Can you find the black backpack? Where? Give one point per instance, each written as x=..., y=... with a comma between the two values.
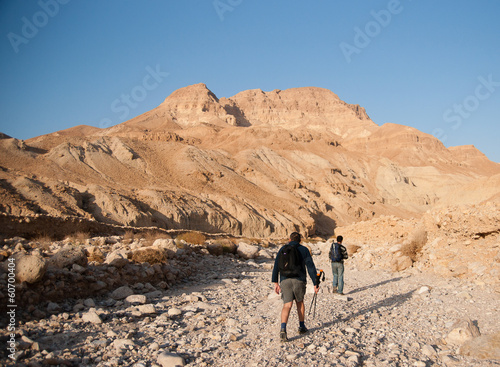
x=336, y=253
x=290, y=261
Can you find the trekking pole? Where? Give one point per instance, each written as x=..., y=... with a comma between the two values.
x=319, y=279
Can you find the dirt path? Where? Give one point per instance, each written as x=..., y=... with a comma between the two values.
x=228, y=316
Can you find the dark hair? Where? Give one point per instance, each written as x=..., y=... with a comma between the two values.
x=340, y=239
x=295, y=236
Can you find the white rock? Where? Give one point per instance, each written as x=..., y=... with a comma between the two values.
x=146, y=309
x=246, y=251
x=136, y=298
x=92, y=317
x=172, y=312
x=166, y=359
x=428, y=350
x=122, y=343
x=423, y=290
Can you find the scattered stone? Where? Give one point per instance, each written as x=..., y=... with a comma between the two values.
x=166, y=359
x=92, y=317
x=136, y=298
x=122, y=292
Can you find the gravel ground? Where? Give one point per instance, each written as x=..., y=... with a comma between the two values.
x=229, y=316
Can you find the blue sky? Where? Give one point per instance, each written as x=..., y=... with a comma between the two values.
x=432, y=65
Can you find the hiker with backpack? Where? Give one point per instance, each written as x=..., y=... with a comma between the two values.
x=337, y=255
x=290, y=264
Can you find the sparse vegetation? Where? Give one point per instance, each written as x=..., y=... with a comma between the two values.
x=416, y=243
x=194, y=238
x=95, y=254
x=78, y=238
x=129, y=236
x=149, y=255
x=43, y=241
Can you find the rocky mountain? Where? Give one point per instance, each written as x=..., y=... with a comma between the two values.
x=258, y=164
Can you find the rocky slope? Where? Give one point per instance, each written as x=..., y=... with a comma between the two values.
x=258, y=164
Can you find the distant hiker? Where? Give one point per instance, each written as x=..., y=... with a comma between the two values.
x=291, y=263
x=337, y=255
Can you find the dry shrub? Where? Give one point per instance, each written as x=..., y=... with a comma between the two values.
x=149, y=255
x=95, y=254
x=129, y=236
x=417, y=241
x=194, y=238
x=43, y=241
x=352, y=249
x=151, y=237
x=78, y=238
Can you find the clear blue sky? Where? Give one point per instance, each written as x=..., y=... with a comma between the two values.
x=432, y=65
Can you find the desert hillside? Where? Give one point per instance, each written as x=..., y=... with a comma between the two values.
x=257, y=164
x=172, y=220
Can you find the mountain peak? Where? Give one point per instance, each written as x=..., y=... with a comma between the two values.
x=192, y=92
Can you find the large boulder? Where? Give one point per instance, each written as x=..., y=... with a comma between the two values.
x=67, y=256
x=122, y=293
x=117, y=258
x=247, y=251
x=166, y=244
x=29, y=268
x=462, y=331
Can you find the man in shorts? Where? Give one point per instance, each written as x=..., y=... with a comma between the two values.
x=294, y=287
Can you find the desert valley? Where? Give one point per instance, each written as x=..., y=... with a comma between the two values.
x=151, y=243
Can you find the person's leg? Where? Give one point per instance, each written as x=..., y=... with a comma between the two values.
x=300, y=291
x=285, y=312
x=334, y=275
x=341, y=278
x=301, y=311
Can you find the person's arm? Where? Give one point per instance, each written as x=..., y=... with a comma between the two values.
x=274, y=277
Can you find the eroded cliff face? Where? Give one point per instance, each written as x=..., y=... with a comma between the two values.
x=258, y=164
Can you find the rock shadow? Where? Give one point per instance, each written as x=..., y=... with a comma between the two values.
x=375, y=285
x=390, y=302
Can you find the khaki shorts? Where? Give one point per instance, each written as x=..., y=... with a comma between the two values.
x=292, y=289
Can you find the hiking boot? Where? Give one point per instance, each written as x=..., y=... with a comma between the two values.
x=283, y=336
x=303, y=330
x=334, y=289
